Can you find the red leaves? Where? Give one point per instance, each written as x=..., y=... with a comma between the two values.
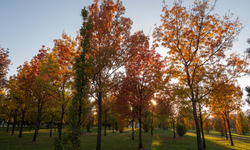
x=142, y=76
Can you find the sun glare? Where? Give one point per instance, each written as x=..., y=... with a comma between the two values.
x=153, y=102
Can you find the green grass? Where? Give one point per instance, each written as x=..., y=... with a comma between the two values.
x=122, y=141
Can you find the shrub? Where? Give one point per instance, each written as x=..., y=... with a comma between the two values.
x=88, y=127
x=145, y=126
x=181, y=129
x=57, y=144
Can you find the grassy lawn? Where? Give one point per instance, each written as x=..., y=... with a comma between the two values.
x=122, y=141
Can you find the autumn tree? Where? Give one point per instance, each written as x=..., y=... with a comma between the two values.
x=110, y=47
x=107, y=104
x=4, y=65
x=51, y=114
x=58, y=66
x=39, y=85
x=218, y=125
x=226, y=99
x=162, y=107
x=242, y=125
x=20, y=99
x=197, y=42
x=207, y=126
x=143, y=72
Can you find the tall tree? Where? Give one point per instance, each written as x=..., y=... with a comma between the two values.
x=197, y=42
x=224, y=100
x=20, y=98
x=109, y=48
x=143, y=72
x=39, y=84
x=82, y=74
x=58, y=66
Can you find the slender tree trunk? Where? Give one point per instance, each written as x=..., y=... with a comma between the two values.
x=51, y=126
x=198, y=134
x=162, y=127
x=113, y=125
x=202, y=132
x=140, y=138
x=37, y=124
x=174, y=128
x=30, y=127
x=50, y=133
x=98, y=144
x=18, y=125
x=225, y=127
x=152, y=124
x=132, y=129
x=14, y=123
x=8, y=124
x=232, y=143
x=61, y=124
x=21, y=129
x=105, y=118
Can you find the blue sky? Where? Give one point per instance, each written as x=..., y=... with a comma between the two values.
x=28, y=24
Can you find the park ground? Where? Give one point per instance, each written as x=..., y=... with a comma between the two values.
x=123, y=141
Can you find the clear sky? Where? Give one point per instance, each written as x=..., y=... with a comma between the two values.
x=26, y=25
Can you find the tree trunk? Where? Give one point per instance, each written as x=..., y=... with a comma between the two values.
x=198, y=134
x=132, y=129
x=37, y=124
x=174, y=128
x=225, y=128
x=14, y=123
x=51, y=126
x=98, y=144
x=8, y=124
x=202, y=132
x=140, y=138
x=18, y=125
x=232, y=143
x=50, y=133
x=21, y=129
x=61, y=124
x=30, y=127
x=162, y=127
x=113, y=125
x=152, y=126
x=105, y=118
